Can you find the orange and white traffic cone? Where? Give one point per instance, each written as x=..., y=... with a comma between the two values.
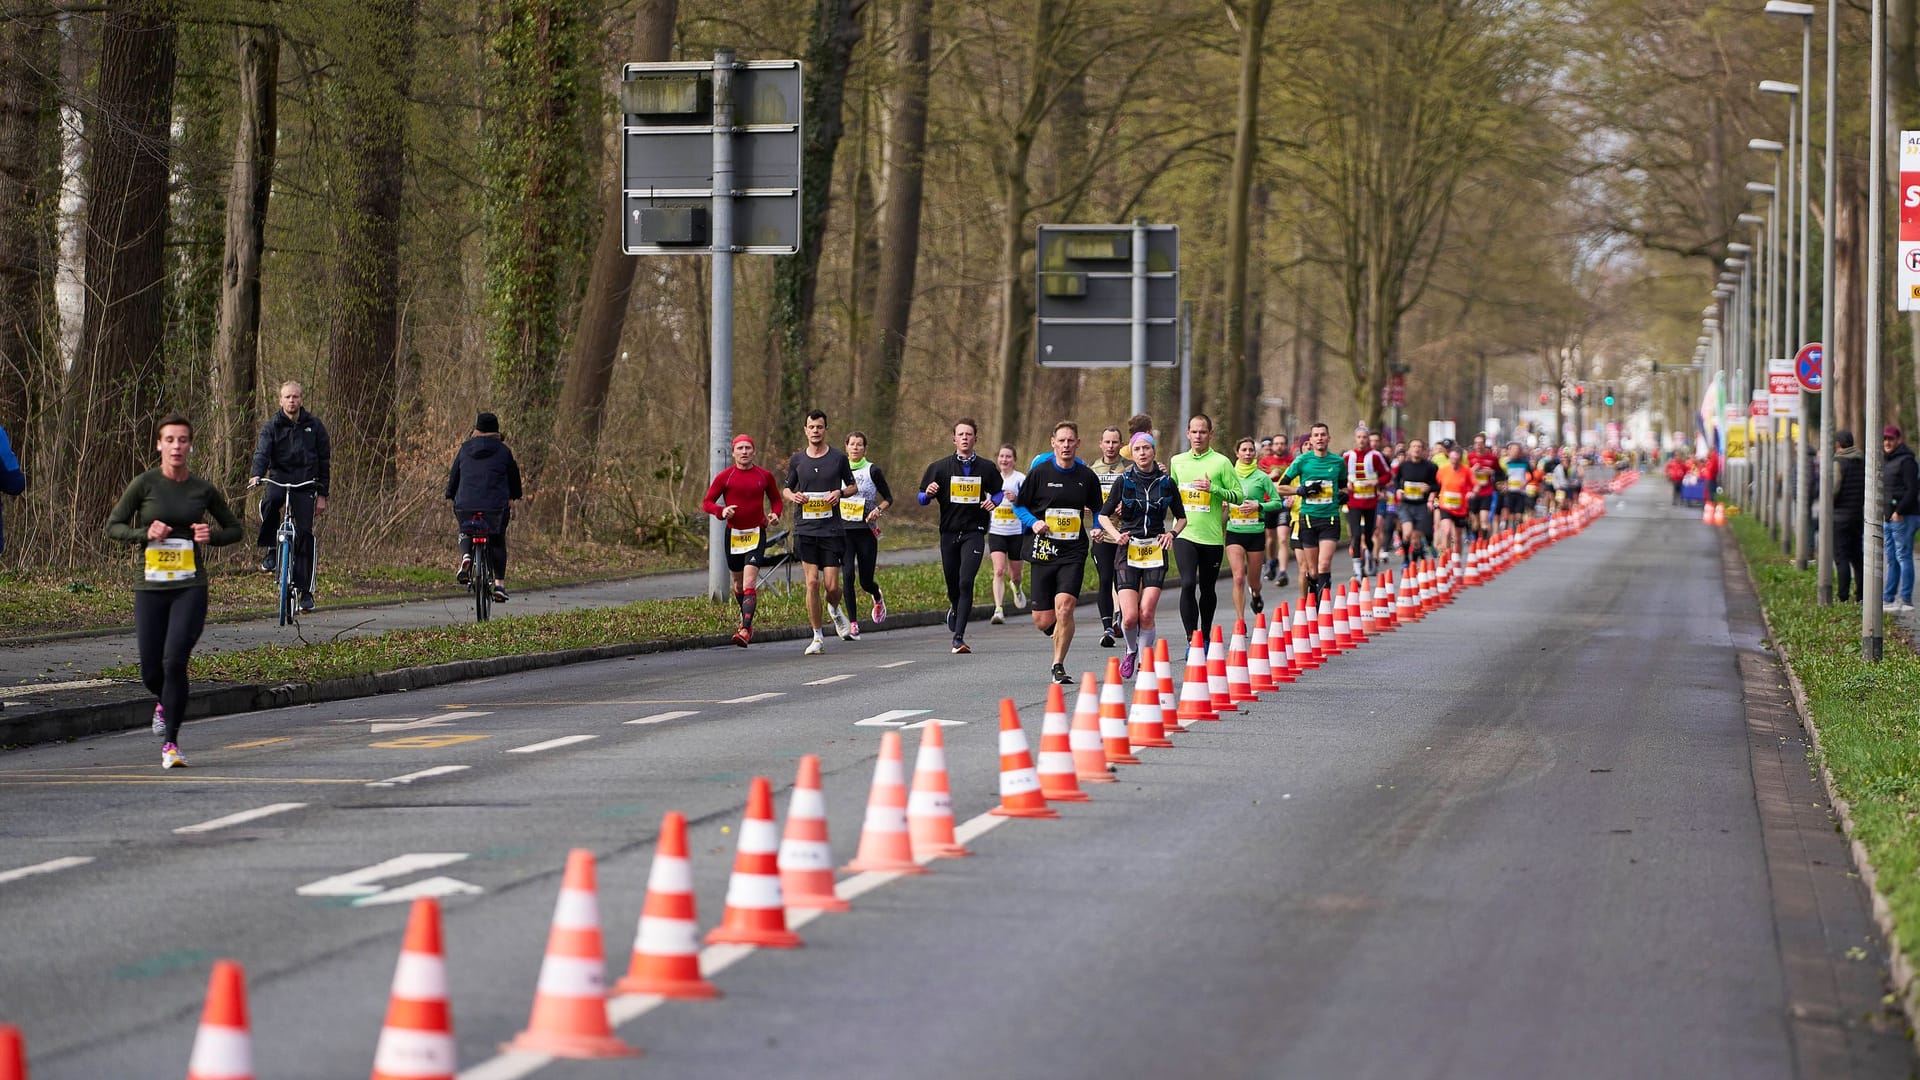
x=1369, y=621
x=1383, y=603
x=1343, y=616
x=806, y=854
x=1057, y=775
x=1305, y=656
x=756, y=912
x=666, y=946
x=1259, y=663
x=1163, y=675
x=1113, y=717
x=930, y=803
x=1144, y=724
x=1089, y=751
x=1323, y=641
x=1239, y=674
x=569, y=1017
x=417, y=1041
x=1020, y=794
x=1219, y=694
x=1280, y=647
x=1196, y=701
x=13, y=1053
x=884, y=842
x=223, y=1047
x=1404, y=609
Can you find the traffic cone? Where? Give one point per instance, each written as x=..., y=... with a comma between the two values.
x=1220, y=696
x=666, y=946
x=417, y=1041
x=13, y=1053
x=1719, y=513
x=1384, y=613
x=223, y=1047
x=1196, y=701
x=1057, y=775
x=1113, y=717
x=806, y=855
x=1343, y=616
x=930, y=803
x=884, y=842
x=756, y=912
x=1163, y=675
x=570, y=1003
x=1324, y=641
x=1259, y=663
x=1369, y=619
x=1239, y=675
x=1404, y=609
x=1020, y=794
x=1089, y=751
x=1280, y=648
x=1144, y=726
x=1305, y=656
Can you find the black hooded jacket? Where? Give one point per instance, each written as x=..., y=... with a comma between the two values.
x=484, y=477
x=294, y=451
x=1902, y=481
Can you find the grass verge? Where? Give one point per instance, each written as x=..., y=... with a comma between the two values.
x=1868, y=716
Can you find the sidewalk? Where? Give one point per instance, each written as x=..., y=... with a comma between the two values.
x=60, y=676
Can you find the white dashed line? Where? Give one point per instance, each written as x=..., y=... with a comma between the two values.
x=751, y=698
x=829, y=679
x=47, y=867
x=241, y=818
x=564, y=740
x=663, y=717
x=437, y=770
x=895, y=664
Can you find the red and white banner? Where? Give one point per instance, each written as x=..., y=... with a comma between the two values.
x=1908, y=291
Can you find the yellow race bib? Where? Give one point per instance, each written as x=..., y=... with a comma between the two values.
x=816, y=508
x=1413, y=489
x=1452, y=501
x=743, y=541
x=1145, y=555
x=1063, y=524
x=853, y=508
x=1196, y=500
x=963, y=490
x=170, y=560
x=1237, y=516
x=1363, y=489
x=1004, y=515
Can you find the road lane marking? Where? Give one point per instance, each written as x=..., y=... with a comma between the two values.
x=56, y=779
x=48, y=867
x=895, y=664
x=829, y=680
x=891, y=718
x=935, y=721
x=551, y=744
x=25, y=689
x=427, y=742
x=408, y=778
x=663, y=717
x=241, y=818
x=751, y=698
x=258, y=743
x=436, y=887
x=361, y=882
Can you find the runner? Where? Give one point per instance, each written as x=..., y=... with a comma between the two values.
x=818, y=477
x=967, y=490
x=1246, y=534
x=745, y=497
x=1274, y=462
x=1006, y=537
x=1456, y=483
x=162, y=510
x=1109, y=468
x=1485, y=465
x=1386, y=529
x=1367, y=473
x=1316, y=476
x=860, y=521
x=1143, y=512
x=1054, y=502
x=1414, y=483
x=1207, y=484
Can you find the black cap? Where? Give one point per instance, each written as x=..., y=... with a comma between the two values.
x=1843, y=438
x=487, y=424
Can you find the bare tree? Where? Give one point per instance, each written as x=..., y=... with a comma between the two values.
x=236, y=350
x=1239, y=360
x=27, y=80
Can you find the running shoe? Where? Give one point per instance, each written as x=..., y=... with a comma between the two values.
x=817, y=646
x=960, y=647
x=159, y=720
x=1281, y=580
x=1019, y=598
x=999, y=616
x=499, y=593
x=1259, y=605
x=269, y=560
x=306, y=602
x=840, y=623
x=742, y=636
x=853, y=631
x=1106, y=639
x=1127, y=664
x=1060, y=676
x=170, y=757
x=465, y=575
x=879, y=612
x=953, y=621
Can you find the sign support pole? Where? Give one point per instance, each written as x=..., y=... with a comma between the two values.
x=720, y=383
x=1186, y=363
x=1873, y=572
x=1139, y=359
x=1829, y=363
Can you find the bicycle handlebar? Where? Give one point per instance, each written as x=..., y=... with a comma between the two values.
x=268, y=480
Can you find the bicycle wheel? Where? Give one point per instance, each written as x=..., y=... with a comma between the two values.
x=482, y=583
x=286, y=583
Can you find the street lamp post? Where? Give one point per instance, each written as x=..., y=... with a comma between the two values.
x=1769, y=345
x=1829, y=362
x=1793, y=480
x=1801, y=492
x=1872, y=565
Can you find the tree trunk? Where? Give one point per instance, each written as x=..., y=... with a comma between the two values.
x=236, y=350
x=26, y=256
x=366, y=326
x=603, y=313
x=900, y=249
x=1246, y=150
x=112, y=389
x=836, y=30
x=1016, y=304
x=1848, y=355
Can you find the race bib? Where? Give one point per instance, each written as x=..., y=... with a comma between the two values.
x=963, y=490
x=1145, y=555
x=1195, y=500
x=1483, y=476
x=743, y=541
x=1243, y=517
x=1318, y=500
x=1532, y=490
x=1063, y=524
x=1452, y=501
x=816, y=508
x=1413, y=490
x=853, y=509
x=1363, y=489
x=1106, y=489
x=170, y=560
x=1004, y=515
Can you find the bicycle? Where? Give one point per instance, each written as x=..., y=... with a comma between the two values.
x=480, y=575
x=284, y=538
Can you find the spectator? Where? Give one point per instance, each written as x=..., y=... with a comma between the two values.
x=1677, y=475
x=1901, y=481
x=1849, y=512
x=13, y=480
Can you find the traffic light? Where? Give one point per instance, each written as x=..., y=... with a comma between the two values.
x=1608, y=399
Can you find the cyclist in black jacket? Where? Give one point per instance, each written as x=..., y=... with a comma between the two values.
x=294, y=448
x=485, y=480
x=967, y=487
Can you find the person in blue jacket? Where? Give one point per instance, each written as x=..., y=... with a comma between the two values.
x=13, y=479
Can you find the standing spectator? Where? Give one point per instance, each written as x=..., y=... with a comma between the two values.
x=293, y=447
x=1849, y=512
x=1677, y=473
x=1901, y=480
x=13, y=479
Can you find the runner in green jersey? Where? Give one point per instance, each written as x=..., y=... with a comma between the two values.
x=1207, y=485
x=1316, y=476
x=1247, y=526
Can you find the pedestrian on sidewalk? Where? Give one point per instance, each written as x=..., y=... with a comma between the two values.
x=13, y=479
x=293, y=448
x=1900, y=479
x=1849, y=513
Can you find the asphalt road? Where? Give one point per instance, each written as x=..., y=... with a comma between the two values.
x=1519, y=838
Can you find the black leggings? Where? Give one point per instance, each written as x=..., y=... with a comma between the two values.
x=1361, y=519
x=167, y=623
x=859, y=553
x=960, y=555
x=1199, y=573
x=1103, y=559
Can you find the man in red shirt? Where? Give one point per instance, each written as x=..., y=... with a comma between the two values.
x=1367, y=472
x=741, y=496
x=1484, y=464
x=1274, y=462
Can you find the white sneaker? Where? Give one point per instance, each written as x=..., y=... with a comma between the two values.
x=998, y=617
x=816, y=646
x=840, y=623
x=1890, y=608
x=1019, y=598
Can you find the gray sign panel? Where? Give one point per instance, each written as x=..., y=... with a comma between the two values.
x=1084, y=296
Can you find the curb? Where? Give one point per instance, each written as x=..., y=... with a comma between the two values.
x=1906, y=989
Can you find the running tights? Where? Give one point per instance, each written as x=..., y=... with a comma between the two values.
x=1199, y=573
x=167, y=623
x=1103, y=559
x=960, y=555
x=858, y=556
x=1361, y=518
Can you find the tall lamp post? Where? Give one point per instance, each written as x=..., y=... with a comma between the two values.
x=1769, y=346
x=1802, y=516
x=1873, y=564
x=1790, y=474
